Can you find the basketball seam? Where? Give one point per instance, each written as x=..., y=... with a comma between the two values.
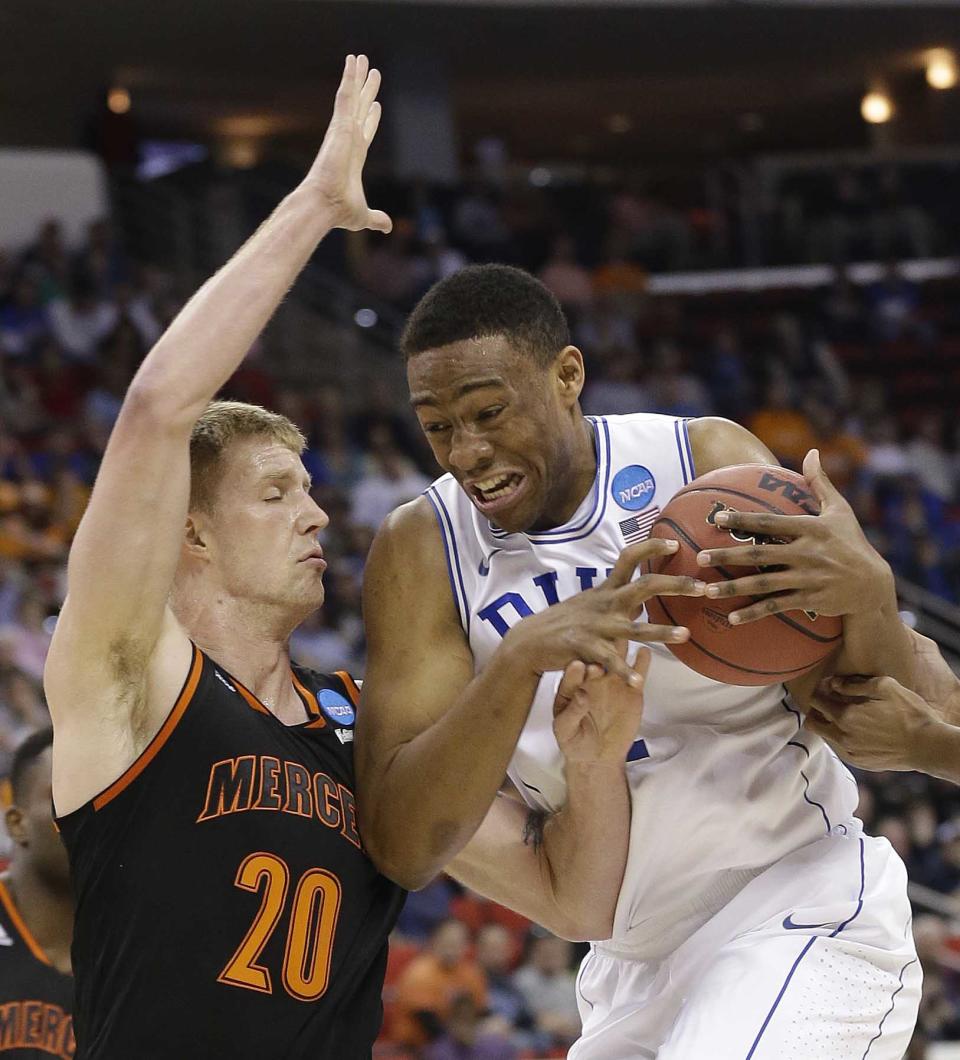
x=735, y=666
x=808, y=633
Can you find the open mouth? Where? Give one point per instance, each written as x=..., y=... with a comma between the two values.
x=497, y=492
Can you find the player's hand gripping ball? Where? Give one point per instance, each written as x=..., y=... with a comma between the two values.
x=778, y=647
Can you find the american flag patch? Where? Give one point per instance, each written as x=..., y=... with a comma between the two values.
x=637, y=527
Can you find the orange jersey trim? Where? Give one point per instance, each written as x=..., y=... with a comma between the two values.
x=249, y=697
x=350, y=685
x=7, y=898
x=173, y=718
x=313, y=707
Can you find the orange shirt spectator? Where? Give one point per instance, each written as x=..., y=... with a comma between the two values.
x=430, y=983
x=782, y=428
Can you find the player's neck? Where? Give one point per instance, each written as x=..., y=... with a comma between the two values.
x=47, y=911
x=258, y=659
x=580, y=462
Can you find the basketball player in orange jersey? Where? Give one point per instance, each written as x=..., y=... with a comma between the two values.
x=204, y=787
x=36, y=916
x=750, y=888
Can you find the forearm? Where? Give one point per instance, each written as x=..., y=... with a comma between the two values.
x=938, y=752
x=875, y=641
x=567, y=876
x=214, y=331
x=436, y=788
x=584, y=851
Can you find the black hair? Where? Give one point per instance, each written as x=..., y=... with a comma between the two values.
x=27, y=752
x=485, y=300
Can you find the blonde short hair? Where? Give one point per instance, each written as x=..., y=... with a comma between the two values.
x=222, y=423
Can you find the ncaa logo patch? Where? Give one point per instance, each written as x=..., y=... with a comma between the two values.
x=633, y=487
x=338, y=709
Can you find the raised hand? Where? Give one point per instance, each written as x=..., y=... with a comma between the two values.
x=336, y=175
x=824, y=564
x=590, y=626
x=596, y=715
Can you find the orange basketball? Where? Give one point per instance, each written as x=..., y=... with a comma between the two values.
x=776, y=648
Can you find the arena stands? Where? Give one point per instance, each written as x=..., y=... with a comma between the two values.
x=867, y=372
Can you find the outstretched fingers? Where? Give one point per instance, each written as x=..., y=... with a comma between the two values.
x=633, y=555
x=344, y=103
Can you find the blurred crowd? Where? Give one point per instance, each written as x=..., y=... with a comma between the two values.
x=867, y=374
x=727, y=216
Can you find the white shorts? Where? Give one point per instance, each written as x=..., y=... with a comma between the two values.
x=812, y=960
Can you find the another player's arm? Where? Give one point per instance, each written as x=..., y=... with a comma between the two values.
x=830, y=565
x=564, y=870
x=433, y=739
x=877, y=723
x=104, y=690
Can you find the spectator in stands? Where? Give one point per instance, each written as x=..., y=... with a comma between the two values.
x=429, y=984
x=674, y=391
x=390, y=480
x=841, y=309
x=465, y=1038
x=547, y=982
x=615, y=389
x=842, y=455
x=496, y=951
x=81, y=320
x=426, y=909
x=102, y=258
x=886, y=457
x=394, y=269
x=442, y=260
x=27, y=528
x=893, y=303
x=928, y=457
x=23, y=319
x=478, y=224
x=781, y=426
x=621, y=279
x=27, y=637
x=567, y=278
x=604, y=328
x=899, y=227
x=48, y=261
x=725, y=371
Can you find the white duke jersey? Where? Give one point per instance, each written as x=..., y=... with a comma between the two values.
x=724, y=779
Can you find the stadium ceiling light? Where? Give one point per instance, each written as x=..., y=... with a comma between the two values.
x=876, y=108
x=941, y=68
x=118, y=100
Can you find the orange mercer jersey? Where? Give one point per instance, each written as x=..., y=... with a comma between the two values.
x=225, y=905
x=35, y=999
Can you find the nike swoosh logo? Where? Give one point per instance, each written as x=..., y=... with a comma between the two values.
x=791, y=926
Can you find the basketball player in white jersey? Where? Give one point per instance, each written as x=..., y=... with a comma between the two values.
x=756, y=921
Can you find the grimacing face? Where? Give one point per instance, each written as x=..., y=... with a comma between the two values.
x=504, y=426
x=261, y=537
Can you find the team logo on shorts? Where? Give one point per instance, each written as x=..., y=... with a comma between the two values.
x=633, y=487
x=336, y=707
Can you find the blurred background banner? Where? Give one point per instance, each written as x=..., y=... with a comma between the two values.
x=748, y=210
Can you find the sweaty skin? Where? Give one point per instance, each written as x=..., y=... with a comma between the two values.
x=434, y=738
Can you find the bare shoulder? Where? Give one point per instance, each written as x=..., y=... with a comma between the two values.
x=717, y=442
x=409, y=610
x=408, y=545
